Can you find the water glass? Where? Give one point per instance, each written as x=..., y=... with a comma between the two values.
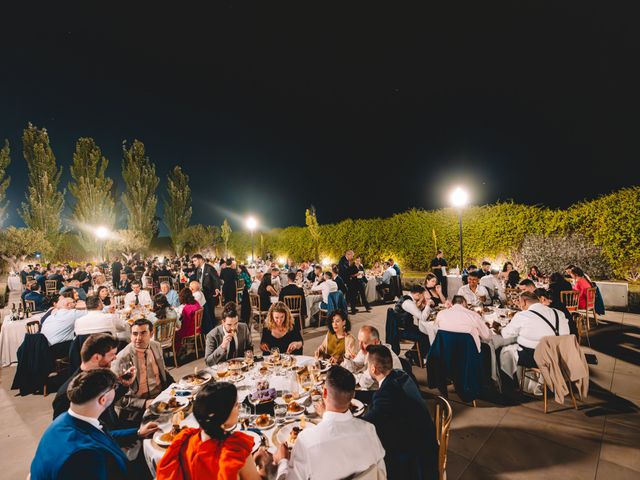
x=280, y=411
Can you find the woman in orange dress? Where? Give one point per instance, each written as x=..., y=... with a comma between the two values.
x=210, y=452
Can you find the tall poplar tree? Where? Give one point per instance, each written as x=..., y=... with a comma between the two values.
x=314, y=229
x=44, y=203
x=177, y=207
x=92, y=190
x=141, y=182
x=5, y=160
x=225, y=233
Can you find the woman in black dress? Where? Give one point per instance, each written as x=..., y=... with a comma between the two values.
x=229, y=276
x=280, y=332
x=265, y=292
x=433, y=289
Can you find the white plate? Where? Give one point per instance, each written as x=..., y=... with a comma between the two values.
x=282, y=435
x=266, y=427
x=183, y=401
x=205, y=375
x=156, y=438
x=360, y=407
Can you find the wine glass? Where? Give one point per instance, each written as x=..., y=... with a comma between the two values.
x=275, y=354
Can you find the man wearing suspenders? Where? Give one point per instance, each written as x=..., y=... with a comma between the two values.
x=534, y=322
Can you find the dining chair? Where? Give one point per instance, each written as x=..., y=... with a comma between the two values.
x=118, y=300
x=164, y=332
x=50, y=287
x=31, y=304
x=294, y=302
x=163, y=279
x=256, y=311
x=591, y=305
x=197, y=331
x=239, y=289
x=512, y=297
x=570, y=298
x=33, y=326
x=443, y=417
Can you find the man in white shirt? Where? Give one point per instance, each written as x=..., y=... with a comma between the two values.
x=340, y=445
x=531, y=324
x=194, y=286
x=460, y=319
x=137, y=296
x=384, y=283
x=359, y=366
x=59, y=327
x=414, y=311
x=474, y=293
x=276, y=282
x=326, y=286
x=96, y=321
x=494, y=286
x=256, y=283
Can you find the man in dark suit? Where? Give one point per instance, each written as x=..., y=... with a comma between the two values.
x=402, y=420
x=228, y=340
x=293, y=289
x=210, y=282
x=116, y=268
x=76, y=445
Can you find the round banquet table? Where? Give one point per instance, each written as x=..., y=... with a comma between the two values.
x=11, y=337
x=14, y=283
x=153, y=452
x=370, y=289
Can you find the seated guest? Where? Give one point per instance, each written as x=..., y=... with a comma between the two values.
x=291, y=290
x=228, y=340
x=137, y=296
x=359, y=366
x=339, y=281
x=474, y=293
x=255, y=285
x=558, y=284
x=507, y=268
x=194, y=286
x=527, y=285
x=276, y=283
x=265, y=292
x=74, y=285
x=54, y=305
x=433, y=289
x=325, y=285
x=377, y=269
x=161, y=309
x=460, y=319
x=170, y=294
x=395, y=266
x=414, y=310
x=531, y=324
x=96, y=321
x=60, y=325
x=494, y=286
x=125, y=283
x=581, y=283
x=485, y=268
x=468, y=271
x=340, y=445
x=151, y=374
x=280, y=332
x=211, y=451
x=36, y=296
x=338, y=343
x=103, y=295
x=513, y=279
x=316, y=275
x=187, y=311
x=534, y=274
x=243, y=274
x=385, y=282
x=57, y=276
x=402, y=420
x=75, y=445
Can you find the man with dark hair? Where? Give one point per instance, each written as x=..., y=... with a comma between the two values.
x=485, y=268
x=97, y=321
x=210, y=284
x=527, y=285
x=459, y=319
x=137, y=296
x=291, y=289
x=414, y=311
x=36, y=296
x=437, y=265
x=474, y=293
x=116, y=268
x=151, y=374
x=351, y=444
x=402, y=420
x=76, y=446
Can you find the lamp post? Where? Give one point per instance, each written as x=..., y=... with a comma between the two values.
x=459, y=198
x=252, y=223
x=101, y=234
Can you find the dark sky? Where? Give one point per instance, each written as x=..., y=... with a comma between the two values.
x=360, y=110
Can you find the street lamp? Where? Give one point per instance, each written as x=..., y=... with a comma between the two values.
x=252, y=223
x=459, y=198
x=101, y=234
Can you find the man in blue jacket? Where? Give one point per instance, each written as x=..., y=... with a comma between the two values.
x=402, y=421
x=76, y=446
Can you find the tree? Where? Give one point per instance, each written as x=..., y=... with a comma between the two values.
x=128, y=243
x=44, y=202
x=177, y=207
x=5, y=160
x=200, y=238
x=141, y=182
x=92, y=190
x=16, y=244
x=314, y=229
x=225, y=233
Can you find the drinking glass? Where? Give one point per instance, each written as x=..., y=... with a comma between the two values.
x=275, y=354
x=222, y=369
x=248, y=358
x=280, y=411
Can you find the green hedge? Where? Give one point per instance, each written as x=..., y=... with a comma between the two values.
x=495, y=232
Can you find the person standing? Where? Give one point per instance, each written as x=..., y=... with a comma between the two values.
x=116, y=269
x=210, y=284
x=229, y=277
x=437, y=265
x=355, y=287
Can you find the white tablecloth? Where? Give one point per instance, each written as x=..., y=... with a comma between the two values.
x=11, y=337
x=454, y=282
x=14, y=283
x=370, y=289
x=153, y=453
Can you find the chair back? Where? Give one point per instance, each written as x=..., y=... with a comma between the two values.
x=31, y=304
x=591, y=298
x=396, y=286
x=164, y=278
x=118, y=300
x=197, y=316
x=294, y=302
x=164, y=332
x=28, y=279
x=443, y=417
x=33, y=326
x=255, y=302
x=240, y=285
x=50, y=287
x=570, y=298
x=513, y=296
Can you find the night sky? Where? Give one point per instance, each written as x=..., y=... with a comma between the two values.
x=361, y=111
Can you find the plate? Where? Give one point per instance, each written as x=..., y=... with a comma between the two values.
x=203, y=377
x=272, y=422
x=235, y=378
x=281, y=435
x=182, y=401
x=357, y=407
x=297, y=413
x=157, y=438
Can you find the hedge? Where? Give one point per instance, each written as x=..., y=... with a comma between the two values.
x=495, y=232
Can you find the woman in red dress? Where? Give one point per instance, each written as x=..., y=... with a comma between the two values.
x=187, y=319
x=582, y=284
x=210, y=452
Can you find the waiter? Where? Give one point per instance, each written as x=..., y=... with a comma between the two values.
x=436, y=267
x=210, y=282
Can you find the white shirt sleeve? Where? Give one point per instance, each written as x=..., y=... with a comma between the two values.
x=419, y=317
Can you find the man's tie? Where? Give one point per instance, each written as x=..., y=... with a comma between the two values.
x=232, y=348
x=137, y=300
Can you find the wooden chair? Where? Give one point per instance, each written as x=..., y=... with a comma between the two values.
x=31, y=304
x=570, y=298
x=414, y=346
x=33, y=326
x=591, y=305
x=164, y=332
x=197, y=331
x=50, y=287
x=582, y=325
x=544, y=386
x=239, y=290
x=256, y=311
x=28, y=279
x=137, y=276
x=118, y=300
x=512, y=298
x=443, y=417
x=294, y=302
x=163, y=279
